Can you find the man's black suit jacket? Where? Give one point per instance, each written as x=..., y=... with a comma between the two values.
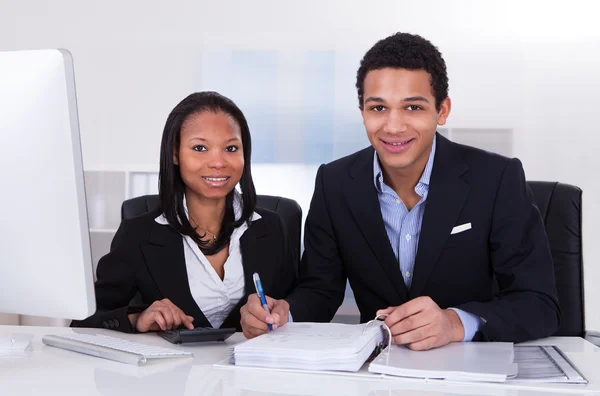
x=147, y=259
x=501, y=269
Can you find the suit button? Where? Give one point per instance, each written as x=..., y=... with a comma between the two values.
x=105, y=324
x=116, y=322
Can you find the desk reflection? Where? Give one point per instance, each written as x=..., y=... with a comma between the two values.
x=162, y=377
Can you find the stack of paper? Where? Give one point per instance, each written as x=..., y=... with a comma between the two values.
x=311, y=346
x=461, y=361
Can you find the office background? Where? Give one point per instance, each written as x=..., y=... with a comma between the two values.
x=523, y=80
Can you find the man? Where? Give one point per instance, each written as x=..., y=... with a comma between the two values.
x=443, y=238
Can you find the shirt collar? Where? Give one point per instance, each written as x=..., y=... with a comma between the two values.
x=237, y=209
x=423, y=181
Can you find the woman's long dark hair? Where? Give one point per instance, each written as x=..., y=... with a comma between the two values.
x=171, y=187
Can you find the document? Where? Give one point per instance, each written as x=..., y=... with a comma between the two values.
x=545, y=364
x=311, y=346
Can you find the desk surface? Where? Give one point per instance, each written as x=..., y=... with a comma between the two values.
x=47, y=370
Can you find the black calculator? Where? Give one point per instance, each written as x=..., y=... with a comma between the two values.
x=199, y=334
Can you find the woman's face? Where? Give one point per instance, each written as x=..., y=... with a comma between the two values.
x=211, y=156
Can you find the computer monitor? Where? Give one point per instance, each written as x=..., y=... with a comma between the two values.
x=45, y=258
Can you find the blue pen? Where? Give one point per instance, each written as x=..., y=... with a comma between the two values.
x=261, y=296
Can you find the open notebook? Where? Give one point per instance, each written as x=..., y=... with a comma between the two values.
x=345, y=349
x=342, y=347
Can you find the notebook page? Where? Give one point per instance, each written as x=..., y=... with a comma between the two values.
x=466, y=361
x=320, y=337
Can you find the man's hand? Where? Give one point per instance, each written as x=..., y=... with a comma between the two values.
x=161, y=315
x=421, y=324
x=254, y=318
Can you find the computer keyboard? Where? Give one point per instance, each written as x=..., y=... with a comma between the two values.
x=113, y=348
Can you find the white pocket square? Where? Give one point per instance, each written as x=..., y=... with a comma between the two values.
x=461, y=228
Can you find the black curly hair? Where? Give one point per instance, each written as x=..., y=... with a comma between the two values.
x=405, y=51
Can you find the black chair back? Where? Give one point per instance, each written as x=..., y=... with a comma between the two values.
x=560, y=207
x=288, y=209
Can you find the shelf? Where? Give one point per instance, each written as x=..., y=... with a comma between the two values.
x=133, y=168
x=103, y=230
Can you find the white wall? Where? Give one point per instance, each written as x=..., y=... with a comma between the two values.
x=530, y=66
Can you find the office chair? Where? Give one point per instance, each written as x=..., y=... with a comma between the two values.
x=288, y=209
x=560, y=207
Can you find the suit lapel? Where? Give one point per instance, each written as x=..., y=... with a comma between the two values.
x=255, y=250
x=445, y=200
x=166, y=262
x=362, y=199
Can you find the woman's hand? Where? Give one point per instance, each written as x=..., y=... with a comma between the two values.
x=161, y=315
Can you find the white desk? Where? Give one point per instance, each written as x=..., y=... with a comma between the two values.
x=47, y=371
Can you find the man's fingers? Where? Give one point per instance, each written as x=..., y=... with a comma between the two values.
x=411, y=323
x=250, y=333
x=254, y=327
x=423, y=345
x=409, y=308
x=256, y=310
x=386, y=311
x=253, y=298
x=280, y=314
x=414, y=336
x=269, y=318
x=249, y=320
x=270, y=302
x=276, y=318
x=256, y=331
x=255, y=319
x=251, y=325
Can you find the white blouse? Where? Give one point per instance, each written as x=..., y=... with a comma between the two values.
x=215, y=297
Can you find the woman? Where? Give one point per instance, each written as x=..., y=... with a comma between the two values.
x=190, y=262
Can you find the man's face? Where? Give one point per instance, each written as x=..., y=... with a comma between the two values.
x=400, y=116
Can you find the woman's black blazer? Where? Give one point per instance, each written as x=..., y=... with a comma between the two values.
x=146, y=263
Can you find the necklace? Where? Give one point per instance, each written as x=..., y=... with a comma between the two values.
x=214, y=237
